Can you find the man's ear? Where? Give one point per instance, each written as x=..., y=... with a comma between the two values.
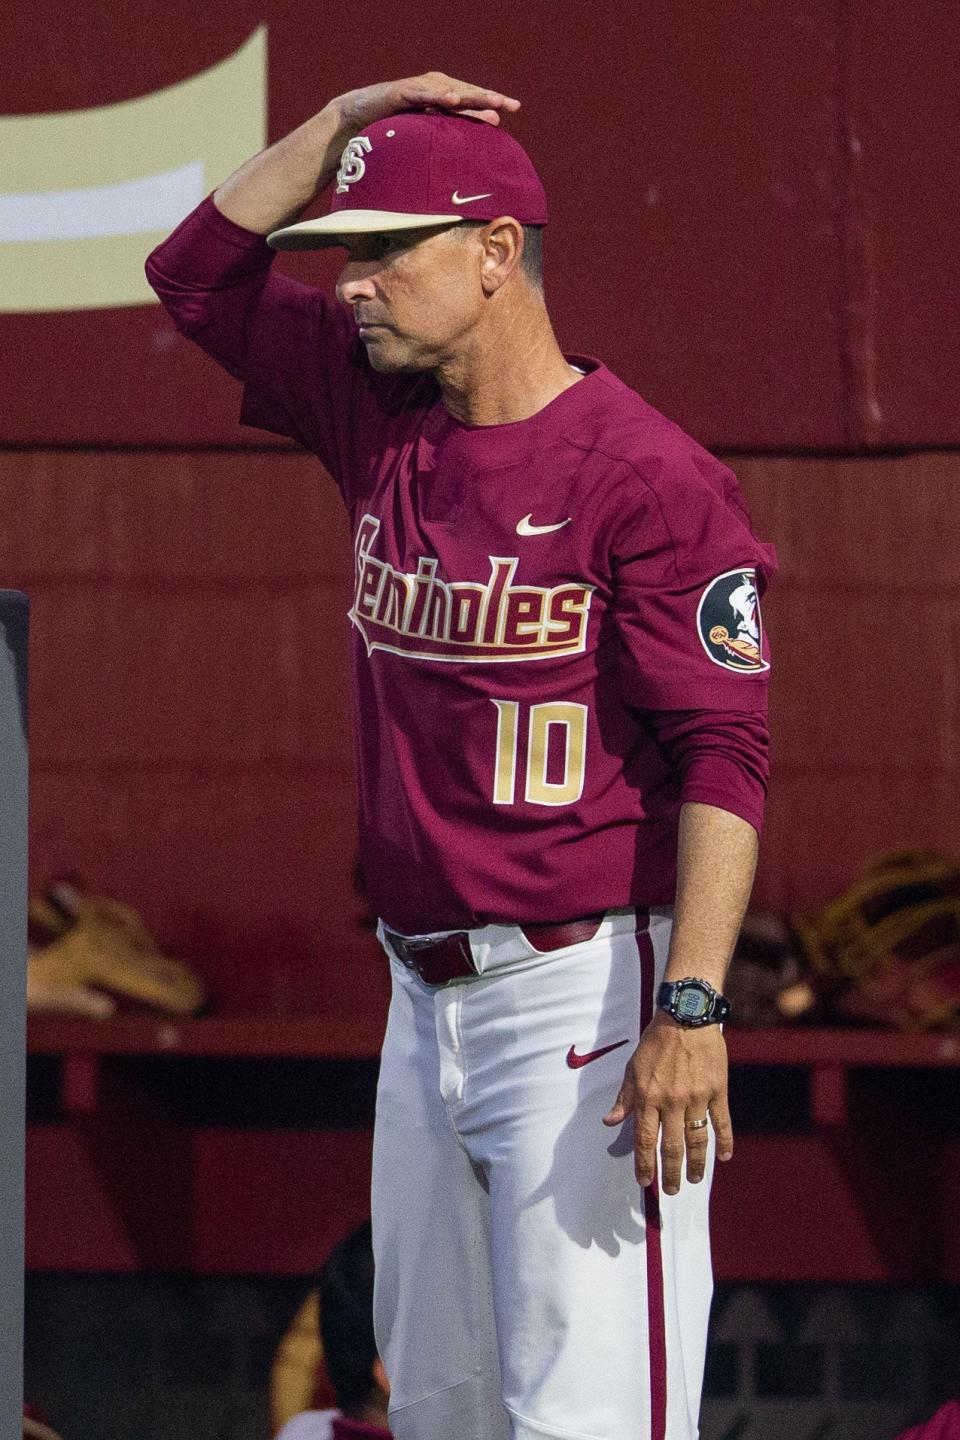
x=503, y=247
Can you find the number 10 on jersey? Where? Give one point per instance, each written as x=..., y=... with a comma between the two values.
x=555, y=728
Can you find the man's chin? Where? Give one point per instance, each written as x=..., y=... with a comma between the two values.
x=386, y=363
x=380, y=362
x=389, y=359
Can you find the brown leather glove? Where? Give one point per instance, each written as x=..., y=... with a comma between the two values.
x=97, y=957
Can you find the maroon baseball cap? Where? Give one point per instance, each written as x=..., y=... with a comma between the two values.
x=416, y=169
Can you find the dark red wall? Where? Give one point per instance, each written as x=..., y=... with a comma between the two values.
x=749, y=224
x=750, y=204
x=864, y=615
x=190, y=745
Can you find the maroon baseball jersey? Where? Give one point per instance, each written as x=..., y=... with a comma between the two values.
x=555, y=625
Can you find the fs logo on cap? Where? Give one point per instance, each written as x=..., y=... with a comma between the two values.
x=352, y=163
x=729, y=624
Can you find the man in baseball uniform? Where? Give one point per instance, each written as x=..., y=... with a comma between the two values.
x=559, y=682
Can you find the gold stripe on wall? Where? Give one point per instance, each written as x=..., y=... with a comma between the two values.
x=85, y=195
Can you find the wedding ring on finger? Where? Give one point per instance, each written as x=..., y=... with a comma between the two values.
x=695, y=1124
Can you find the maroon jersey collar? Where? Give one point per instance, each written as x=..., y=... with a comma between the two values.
x=508, y=442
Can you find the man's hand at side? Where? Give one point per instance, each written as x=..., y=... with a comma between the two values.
x=678, y=1072
x=675, y=1074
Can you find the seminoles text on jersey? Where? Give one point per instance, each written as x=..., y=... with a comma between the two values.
x=489, y=619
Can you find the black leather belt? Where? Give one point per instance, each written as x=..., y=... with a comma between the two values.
x=439, y=961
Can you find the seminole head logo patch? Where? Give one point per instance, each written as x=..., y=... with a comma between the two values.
x=728, y=621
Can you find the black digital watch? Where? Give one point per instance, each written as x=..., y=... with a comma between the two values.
x=693, y=1002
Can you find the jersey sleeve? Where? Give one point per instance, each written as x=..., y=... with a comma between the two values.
x=689, y=575
x=292, y=347
x=720, y=756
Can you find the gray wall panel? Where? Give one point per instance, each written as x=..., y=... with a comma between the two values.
x=14, y=618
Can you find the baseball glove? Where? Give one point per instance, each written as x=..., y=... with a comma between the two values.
x=91, y=956
x=887, y=951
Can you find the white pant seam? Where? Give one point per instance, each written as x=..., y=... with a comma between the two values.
x=549, y=1430
x=441, y=1390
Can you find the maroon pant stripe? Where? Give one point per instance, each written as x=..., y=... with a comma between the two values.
x=651, y=1209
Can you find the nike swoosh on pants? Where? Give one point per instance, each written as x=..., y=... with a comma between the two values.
x=575, y=1061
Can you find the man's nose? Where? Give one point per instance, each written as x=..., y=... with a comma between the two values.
x=355, y=281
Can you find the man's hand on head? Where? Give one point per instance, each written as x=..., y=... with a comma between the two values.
x=433, y=91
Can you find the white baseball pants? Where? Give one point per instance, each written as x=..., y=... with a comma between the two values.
x=526, y=1286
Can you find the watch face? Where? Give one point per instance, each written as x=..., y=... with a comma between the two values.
x=692, y=1004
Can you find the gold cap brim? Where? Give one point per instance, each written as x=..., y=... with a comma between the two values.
x=329, y=229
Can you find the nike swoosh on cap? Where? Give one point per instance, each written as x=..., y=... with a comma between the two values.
x=459, y=199
x=575, y=1061
x=524, y=527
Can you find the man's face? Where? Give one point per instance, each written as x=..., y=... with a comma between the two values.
x=414, y=294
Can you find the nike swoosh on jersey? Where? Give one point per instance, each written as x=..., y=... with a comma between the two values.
x=524, y=527
x=459, y=199
x=575, y=1061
